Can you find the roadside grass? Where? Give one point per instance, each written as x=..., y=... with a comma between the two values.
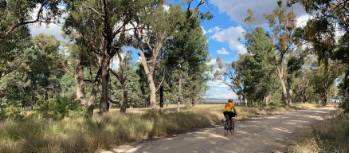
x=329, y=135
x=77, y=135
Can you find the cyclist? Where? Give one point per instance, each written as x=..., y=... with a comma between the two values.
x=229, y=110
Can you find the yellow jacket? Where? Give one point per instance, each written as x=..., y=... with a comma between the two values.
x=229, y=107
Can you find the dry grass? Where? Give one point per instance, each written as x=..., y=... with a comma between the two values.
x=82, y=135
x=78, y=135
x=330, y=135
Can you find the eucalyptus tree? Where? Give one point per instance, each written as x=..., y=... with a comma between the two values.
x=324, y=79
x=121, y=73
x=328, y=34
x=253, y=77
x=100, y=26
x=14, y=32
x=187, y=56
x=282, y=23
x=16, y=15
x=37, y=76
x=153, y=27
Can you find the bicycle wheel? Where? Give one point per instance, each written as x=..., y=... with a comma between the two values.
x=225, y=127
x=233, y=125
x=230, y=127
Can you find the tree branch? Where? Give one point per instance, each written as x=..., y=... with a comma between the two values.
x=93, y=9
x=161, y=82
x=21, y=23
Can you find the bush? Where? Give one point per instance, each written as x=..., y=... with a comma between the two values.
x=10, y=111
x=57, y=108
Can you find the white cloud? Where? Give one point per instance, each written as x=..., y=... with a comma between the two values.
x=222, y=51
x=237, y=9
x=302, y=20
x=218, y=89
x=232, y=37
x=214, y=29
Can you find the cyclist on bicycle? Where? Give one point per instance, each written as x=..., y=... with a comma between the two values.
x=230, y=111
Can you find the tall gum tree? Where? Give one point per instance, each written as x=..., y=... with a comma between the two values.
x=100, y=26
x=152, y=29
x=282, y=24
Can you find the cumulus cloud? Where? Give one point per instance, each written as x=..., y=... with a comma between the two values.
x=237, y=9
x=232, y=37
x=214, y=29
x=222, y=51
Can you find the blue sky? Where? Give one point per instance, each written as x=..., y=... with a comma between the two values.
x=225, y=32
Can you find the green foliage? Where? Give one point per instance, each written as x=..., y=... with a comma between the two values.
x=134, y=88
x=57, y=108
x=10, y=111
x=37, y=74
x=324, y=79
x=254, y=73
x=330, y=18
x=185, y=58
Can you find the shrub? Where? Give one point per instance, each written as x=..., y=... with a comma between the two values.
x=57, y=108
x=10, y=111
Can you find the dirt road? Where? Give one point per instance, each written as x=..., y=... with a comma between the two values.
x=262, y=134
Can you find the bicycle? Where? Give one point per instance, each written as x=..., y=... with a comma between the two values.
x=228, y=128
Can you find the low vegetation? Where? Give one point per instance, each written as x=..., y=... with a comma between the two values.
x=78, y=134
x=330, y=135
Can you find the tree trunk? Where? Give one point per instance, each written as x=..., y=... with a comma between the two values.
x=267, y=99
x=285, y=96
x=79, y=79
x=193, y=101
x=290, y=100
x=325, y=97
x=104, y=103
x=161, y=96
x=152, y=87
x=179, y=94
x=125, y=97
x=90, y=103
x=150, y=80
